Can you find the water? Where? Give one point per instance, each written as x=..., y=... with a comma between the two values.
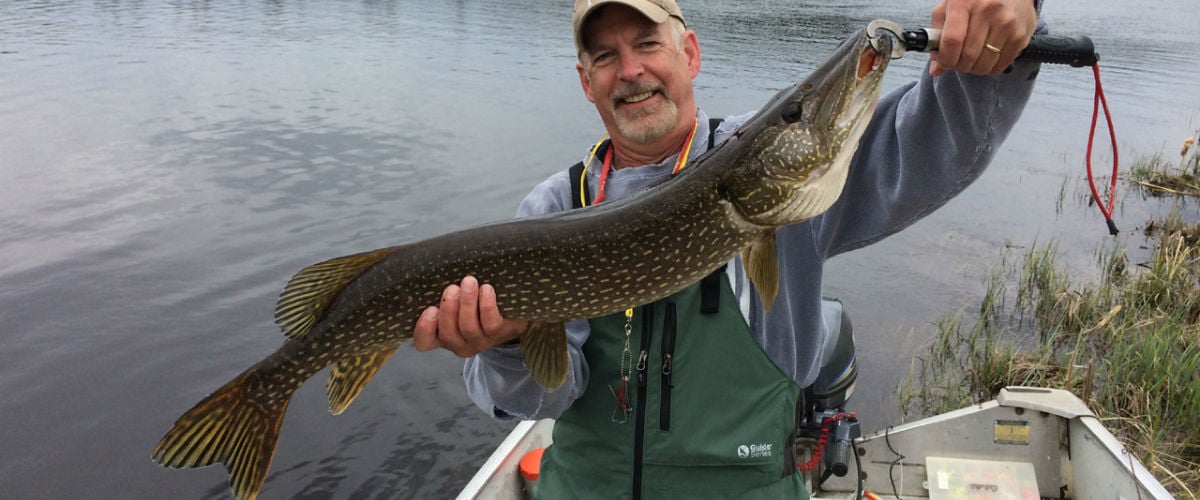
x=165, y=166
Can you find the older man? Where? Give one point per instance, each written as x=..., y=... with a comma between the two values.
x=724, y=374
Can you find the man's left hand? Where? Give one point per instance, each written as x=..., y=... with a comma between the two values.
x=982, y=37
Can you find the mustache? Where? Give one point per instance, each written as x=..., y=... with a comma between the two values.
x=636, y=88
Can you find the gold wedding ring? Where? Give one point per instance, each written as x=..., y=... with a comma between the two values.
x=993, y=48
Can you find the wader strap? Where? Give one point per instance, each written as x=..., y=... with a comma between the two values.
x=710, y=292
x=713, y=123
x=710, y=286
x=577, y=177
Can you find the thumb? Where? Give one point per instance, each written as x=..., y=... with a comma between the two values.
x=935, y=69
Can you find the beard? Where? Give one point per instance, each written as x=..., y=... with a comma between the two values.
x=645, y=125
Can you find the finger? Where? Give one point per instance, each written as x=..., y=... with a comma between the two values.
x=489, y=312
x=976, y=57
x=468, y=312
x=937, y=19
x=998, y=22
x=447, y=320
x=1005, y=58
x=935, y=69
x=1017, y=39
x=954, y=33
x=426, y=330
x=985, y=59
x=1024, y=23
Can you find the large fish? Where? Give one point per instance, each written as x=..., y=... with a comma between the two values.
x=786, y=164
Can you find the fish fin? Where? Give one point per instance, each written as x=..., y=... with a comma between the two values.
x=309, y=293
x=762, y=267
x=350, y=375
x=230, y=428
x=545, y=348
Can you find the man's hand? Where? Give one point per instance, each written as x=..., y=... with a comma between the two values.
x=467, y=322
x=982, y=37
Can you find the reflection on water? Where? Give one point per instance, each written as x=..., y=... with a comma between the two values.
x=165, y=166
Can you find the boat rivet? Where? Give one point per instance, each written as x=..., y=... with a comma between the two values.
x=1020, y=411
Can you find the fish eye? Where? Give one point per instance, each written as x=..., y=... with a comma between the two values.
x=791, y=112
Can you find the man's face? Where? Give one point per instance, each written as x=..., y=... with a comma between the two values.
x=636, y=75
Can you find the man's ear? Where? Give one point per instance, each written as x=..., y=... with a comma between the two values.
x=585, y=82
x=691, y=48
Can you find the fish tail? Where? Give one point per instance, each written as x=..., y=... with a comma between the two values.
x=227, y=427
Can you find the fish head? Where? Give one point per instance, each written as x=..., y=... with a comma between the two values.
x=799, y=146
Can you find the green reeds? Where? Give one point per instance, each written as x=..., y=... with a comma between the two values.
x=1128, y=345
x=1160, y=176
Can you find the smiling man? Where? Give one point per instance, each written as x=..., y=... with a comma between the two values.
x=717, y=421
x=638, y=73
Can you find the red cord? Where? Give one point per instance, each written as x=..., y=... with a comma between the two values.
x=1097, y=102
x=820, y=448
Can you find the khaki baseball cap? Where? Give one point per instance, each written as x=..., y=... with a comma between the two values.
x=656, y=10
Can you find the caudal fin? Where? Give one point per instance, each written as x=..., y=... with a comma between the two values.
x=230, y=428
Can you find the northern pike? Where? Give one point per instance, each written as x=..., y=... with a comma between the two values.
x=786, y=164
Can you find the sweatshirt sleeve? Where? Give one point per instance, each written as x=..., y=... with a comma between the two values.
x=497, y=380
x=927, y=141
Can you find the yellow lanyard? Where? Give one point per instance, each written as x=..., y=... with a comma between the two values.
x=680, y=164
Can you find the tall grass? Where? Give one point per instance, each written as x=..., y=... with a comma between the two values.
x=1162, y=176
x=1127, y=343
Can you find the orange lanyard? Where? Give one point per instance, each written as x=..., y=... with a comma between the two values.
x=680, y=163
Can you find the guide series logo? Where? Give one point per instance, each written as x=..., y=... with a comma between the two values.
x=754, y=450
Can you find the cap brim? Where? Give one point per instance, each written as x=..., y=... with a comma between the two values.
x=651, y=10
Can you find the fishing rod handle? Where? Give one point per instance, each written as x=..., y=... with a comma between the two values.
x=1072, y=50
x=1076, y=51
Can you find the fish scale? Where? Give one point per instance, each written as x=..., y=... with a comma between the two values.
x=786, y=164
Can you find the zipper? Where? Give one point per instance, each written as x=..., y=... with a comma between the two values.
x=639, y=432
x=668, y=351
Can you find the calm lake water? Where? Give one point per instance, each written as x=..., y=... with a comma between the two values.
x=166, y=166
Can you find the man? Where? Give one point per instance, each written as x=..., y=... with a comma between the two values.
x=715, y=417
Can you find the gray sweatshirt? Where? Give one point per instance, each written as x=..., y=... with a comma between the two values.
x=926, y=142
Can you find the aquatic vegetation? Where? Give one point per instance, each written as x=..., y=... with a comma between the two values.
x=1160, y=176
x=1126, y=341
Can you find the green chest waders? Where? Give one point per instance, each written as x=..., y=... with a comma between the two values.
x=711, y=412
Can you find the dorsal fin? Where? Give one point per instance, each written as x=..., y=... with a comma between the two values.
x=309, y=293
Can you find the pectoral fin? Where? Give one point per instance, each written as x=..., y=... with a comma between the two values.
x=350, y=375
x=762, y=267
x=545, y=347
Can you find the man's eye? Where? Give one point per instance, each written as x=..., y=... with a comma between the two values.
x=602, y=58
x=649, y=44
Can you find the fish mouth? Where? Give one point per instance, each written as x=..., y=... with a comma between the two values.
x=836, y=94
x=851, y=87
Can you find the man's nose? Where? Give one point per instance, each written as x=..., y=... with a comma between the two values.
x=631, y=67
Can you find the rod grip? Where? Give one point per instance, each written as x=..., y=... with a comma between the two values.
x=1076, y=50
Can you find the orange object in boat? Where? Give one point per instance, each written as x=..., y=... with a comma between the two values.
x=531, y=464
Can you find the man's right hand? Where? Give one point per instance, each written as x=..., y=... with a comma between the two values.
x=467, y=322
